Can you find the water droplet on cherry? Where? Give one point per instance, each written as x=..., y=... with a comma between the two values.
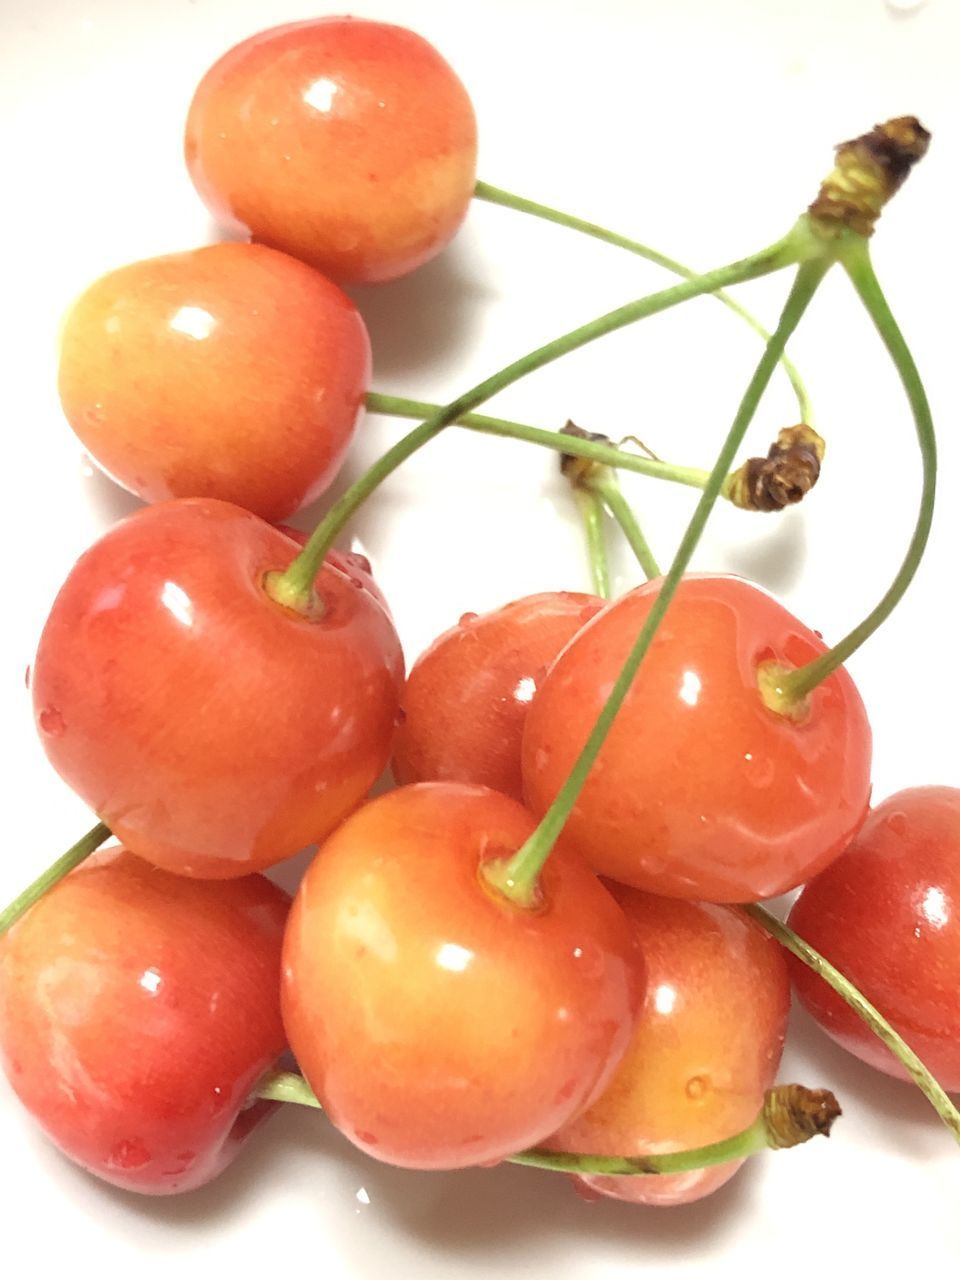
x=897, y=823
x=466, y=619
x=129, y=1153
x=696, y=1087
x=51, y=722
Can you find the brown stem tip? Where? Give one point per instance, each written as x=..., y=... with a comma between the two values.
x=788, y=472
x=580, y=470
x=869, y=170
x=794, y=1114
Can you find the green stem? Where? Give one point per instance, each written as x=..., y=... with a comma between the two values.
x=294, y=587
x=855, y=258
x=607, y=487
x=496, y=195
x=790, y=1115
x=56, y=871
x=517, y=877
x=591, y=509
x=594, y=450
x=874, y=1019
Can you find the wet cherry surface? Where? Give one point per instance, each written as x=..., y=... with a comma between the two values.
x=440, y=1025
x=138, y=1010
x=231, y=372
x=887, y=914
x=705, y=1047
x=701, y=791
x=347, y=143
x=213, y=730
x=466, y=698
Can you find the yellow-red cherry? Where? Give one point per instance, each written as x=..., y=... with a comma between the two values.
x=138, y=1011
x=348, y=143
x=705, y=1047
x=701, y=790
x=440, y=1024
x=212, y=729
x=887, y=914
x=231, y=372
x=466, y=698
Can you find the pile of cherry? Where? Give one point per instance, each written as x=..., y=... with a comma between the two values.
x=218, y=713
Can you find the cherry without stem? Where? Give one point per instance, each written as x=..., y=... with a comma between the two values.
x=231, y=372
x=347, y=143
x=467, y=697
x=886, y=914
x=705, y=1047
x=138, y=1011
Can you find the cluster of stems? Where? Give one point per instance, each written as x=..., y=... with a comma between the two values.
x=827, y=235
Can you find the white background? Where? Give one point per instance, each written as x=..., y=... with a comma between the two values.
x=702, y=126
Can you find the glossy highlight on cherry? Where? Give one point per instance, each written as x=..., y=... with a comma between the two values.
x=211, y=729
x=138, y=1011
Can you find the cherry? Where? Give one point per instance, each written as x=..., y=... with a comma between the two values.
x=231, y=371
x=705, y=1047
x=467, y=696
x=440, y=1024
x=701, y=790
x=347, y=143
x=138, y=1010
x=213, y=730
x=885, y=913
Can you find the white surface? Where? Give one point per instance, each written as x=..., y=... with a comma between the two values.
x=704, y=127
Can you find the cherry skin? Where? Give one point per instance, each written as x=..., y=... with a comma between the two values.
x=467, y=696
x=213, y=730
x=231, y=372
x=887, y=914
x=347, y=143
x=700, y=790
x=138, y=1011
x=440, y=1025
x=705, y=1047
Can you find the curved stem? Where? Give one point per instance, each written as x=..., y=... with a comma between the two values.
x=496, y=195
x=56, y=871
x=855, y=258
x=594, y=450
x=591, y=509
x=874, y=1019
x=294, y=587
x=607, y=487
x=790, y=1115
x=517, y=877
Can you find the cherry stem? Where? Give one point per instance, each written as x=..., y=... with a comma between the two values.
x=516, y=878
x=294, y=587
x=593, y=450
x=855, y=258
x=791, y=1114
x=592, y=512
x=874, y=1019
x=55, y=872
x=496, y=195
x=607, y=487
